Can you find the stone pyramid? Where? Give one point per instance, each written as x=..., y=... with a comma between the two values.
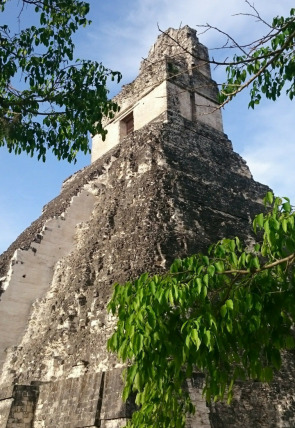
x=166, y=183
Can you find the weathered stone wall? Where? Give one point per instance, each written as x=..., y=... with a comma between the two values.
x=183, y=46
x=69, y=403
x=55, y=208
x=30, y=271
x=257, y=404
x=149, y=108
x=158, y=199
x=174, y=77
x=17, y=406
x=6, y=401
x=93, y=400
x=169, y=189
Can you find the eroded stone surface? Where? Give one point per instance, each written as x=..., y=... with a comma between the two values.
x=30, y=271
x=175, y=77
x=168, y=189
x=70, y=403
x=18, y=410
x=159, y=199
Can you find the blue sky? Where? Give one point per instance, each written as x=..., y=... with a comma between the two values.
x=120, y=36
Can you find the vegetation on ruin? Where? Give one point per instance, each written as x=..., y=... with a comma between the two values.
x=228, y=313
x=48, y=99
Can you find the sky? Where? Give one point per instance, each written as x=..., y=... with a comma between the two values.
x=120, y=35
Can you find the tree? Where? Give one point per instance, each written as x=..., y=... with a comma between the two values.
x=59, y=101
x=228, y=313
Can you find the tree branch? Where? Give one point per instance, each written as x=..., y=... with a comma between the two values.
x=275, y=55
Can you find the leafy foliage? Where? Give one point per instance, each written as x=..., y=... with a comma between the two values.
x=228, y=313
x=268, y=66
x=61, y=101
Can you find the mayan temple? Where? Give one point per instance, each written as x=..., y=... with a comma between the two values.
x=164, y=184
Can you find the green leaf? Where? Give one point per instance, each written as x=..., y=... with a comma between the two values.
x=276, y=359
x=219, y=266
x=232, y=245
x=223, y=310
x=211, y=271
x=187, y=341
x=269, y=198
x=137, y=384
x=287, y=207
x=284, y=225
x=257, y=247
x=199, y=285
x=137, y=343
x=126, y=393
x=144, y=277
x=259, y=219
x=234, y=260
x=229, y=304
x=229, y=326
x=204, y=292
x=255, y=263
x=195, y=338
x=267, y=374
x=207, y=338
x=290, y=342
x=171, y=298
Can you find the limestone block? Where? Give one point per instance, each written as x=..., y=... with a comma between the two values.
x=117, y=423
x=69, y=403
x=31, y=270
x=208, y=112
x=112, y=405
x=5, y=406
x=18, y=411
